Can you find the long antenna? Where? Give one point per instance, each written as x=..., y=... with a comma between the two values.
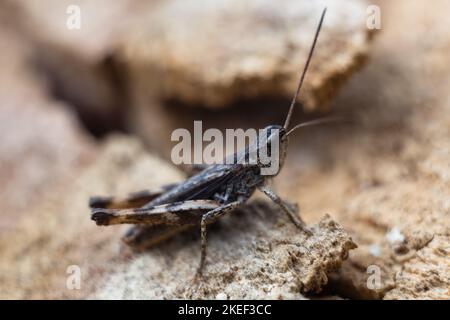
x=316, y=122
x=305, y=69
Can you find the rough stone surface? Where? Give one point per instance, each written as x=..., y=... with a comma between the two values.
x=386, y=177
x=59, y=233
x=251, y=255
x=216, y=52
x=426, y=274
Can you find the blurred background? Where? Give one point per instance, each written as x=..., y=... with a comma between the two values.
x=90, y=92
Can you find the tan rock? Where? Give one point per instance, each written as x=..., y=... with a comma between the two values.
x=41, y=144
x=77, y=62
x=385, y=178
x=251, y=254
x=217, y=52
x=427, y=274
x=57, y=232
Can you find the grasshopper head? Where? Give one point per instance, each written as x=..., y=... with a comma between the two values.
x=272, y=148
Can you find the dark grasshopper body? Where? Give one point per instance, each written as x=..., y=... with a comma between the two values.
x=185, y=203
x=199, y=200
x=205, y=196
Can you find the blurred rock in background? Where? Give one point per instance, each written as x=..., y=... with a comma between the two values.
x=142, y=66
x=42, y=144
x=213, y=53
x=217, y=55
x=77, y=62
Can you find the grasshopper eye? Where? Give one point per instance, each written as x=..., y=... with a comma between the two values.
x=272, y=129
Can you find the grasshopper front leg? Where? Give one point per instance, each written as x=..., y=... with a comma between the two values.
x=293, y=216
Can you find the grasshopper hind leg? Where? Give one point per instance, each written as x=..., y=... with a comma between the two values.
x=132, y=200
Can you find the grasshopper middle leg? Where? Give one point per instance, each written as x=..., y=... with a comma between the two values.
x=208, y=218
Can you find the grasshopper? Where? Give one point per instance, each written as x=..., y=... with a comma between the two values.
x=208, y=194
